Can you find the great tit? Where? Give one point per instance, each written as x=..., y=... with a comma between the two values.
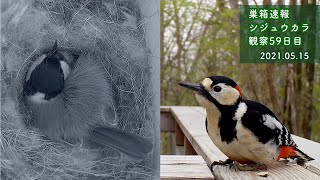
x=68, y=100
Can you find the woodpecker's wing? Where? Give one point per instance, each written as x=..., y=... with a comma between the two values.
x=265, y=125
x=132, y=145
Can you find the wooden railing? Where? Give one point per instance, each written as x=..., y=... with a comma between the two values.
x=189, y=137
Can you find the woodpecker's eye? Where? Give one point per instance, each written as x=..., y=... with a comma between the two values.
x=217, y=88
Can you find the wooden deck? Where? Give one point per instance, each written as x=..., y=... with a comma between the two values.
x=188, y=125
x=184, y=167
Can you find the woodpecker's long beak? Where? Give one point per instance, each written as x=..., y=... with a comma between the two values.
x=199, y=88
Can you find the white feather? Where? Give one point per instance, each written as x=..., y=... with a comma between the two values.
x=65, y=69
x=271, y=122
x=242, y=109
x=37, y=98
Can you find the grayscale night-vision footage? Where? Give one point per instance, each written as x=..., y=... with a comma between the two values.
x=77, y=90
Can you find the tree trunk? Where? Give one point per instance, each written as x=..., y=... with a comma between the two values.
x=293, y=2
x=267, y=2
x=272, y=90
x=291, y=100
x=298, y=95
x=308, y=103
x=308, y=96
x=233, y=4
x=280, y=2
x=244, y=2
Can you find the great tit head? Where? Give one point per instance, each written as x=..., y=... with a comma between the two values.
x=217, y=90
x=46, y=76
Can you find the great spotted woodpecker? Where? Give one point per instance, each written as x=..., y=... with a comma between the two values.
x=247, y=132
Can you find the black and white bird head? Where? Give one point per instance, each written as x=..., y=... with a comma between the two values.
x=216, y=90
x=46, y=76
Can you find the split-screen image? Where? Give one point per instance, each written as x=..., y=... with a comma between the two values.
x=160, y=89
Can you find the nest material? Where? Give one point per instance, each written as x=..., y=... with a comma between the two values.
x=106, y=29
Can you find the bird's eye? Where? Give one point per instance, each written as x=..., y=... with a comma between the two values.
x=217, y=88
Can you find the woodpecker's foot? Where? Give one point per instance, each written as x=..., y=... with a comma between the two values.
x=224, y=163
x=249, y=167
x=227, y=162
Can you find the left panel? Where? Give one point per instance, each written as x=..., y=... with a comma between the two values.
x=80, y=89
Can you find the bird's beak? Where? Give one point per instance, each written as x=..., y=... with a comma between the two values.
x=54, y=49
x=195, y=87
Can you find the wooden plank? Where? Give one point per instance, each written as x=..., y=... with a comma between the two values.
x=165, y=108
x=178, y=159
x=192, y=120
x=188, y=149
x=192, y=123
x=179, y=150
x=184, y=167
x=167, y=122
x=179, y=136
x=173, y=143
x=276, y=172
x=204, y=147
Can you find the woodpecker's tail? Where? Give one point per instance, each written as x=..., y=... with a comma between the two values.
x=294, y=153
x=303, y=155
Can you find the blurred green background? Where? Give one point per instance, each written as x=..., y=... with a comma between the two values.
x=200, y=38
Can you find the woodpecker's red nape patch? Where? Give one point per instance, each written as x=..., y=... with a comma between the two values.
x=238, y=88
x=287, y=151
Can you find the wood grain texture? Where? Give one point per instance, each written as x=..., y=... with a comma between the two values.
x=192, y=122
x=167, y=123
x=179, y=135
x=165, y=109
x=184, y=167
x=277, y=172
x=188, y=148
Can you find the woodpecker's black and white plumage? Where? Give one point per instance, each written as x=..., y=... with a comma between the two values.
x=245, y=131
x=68, y=99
